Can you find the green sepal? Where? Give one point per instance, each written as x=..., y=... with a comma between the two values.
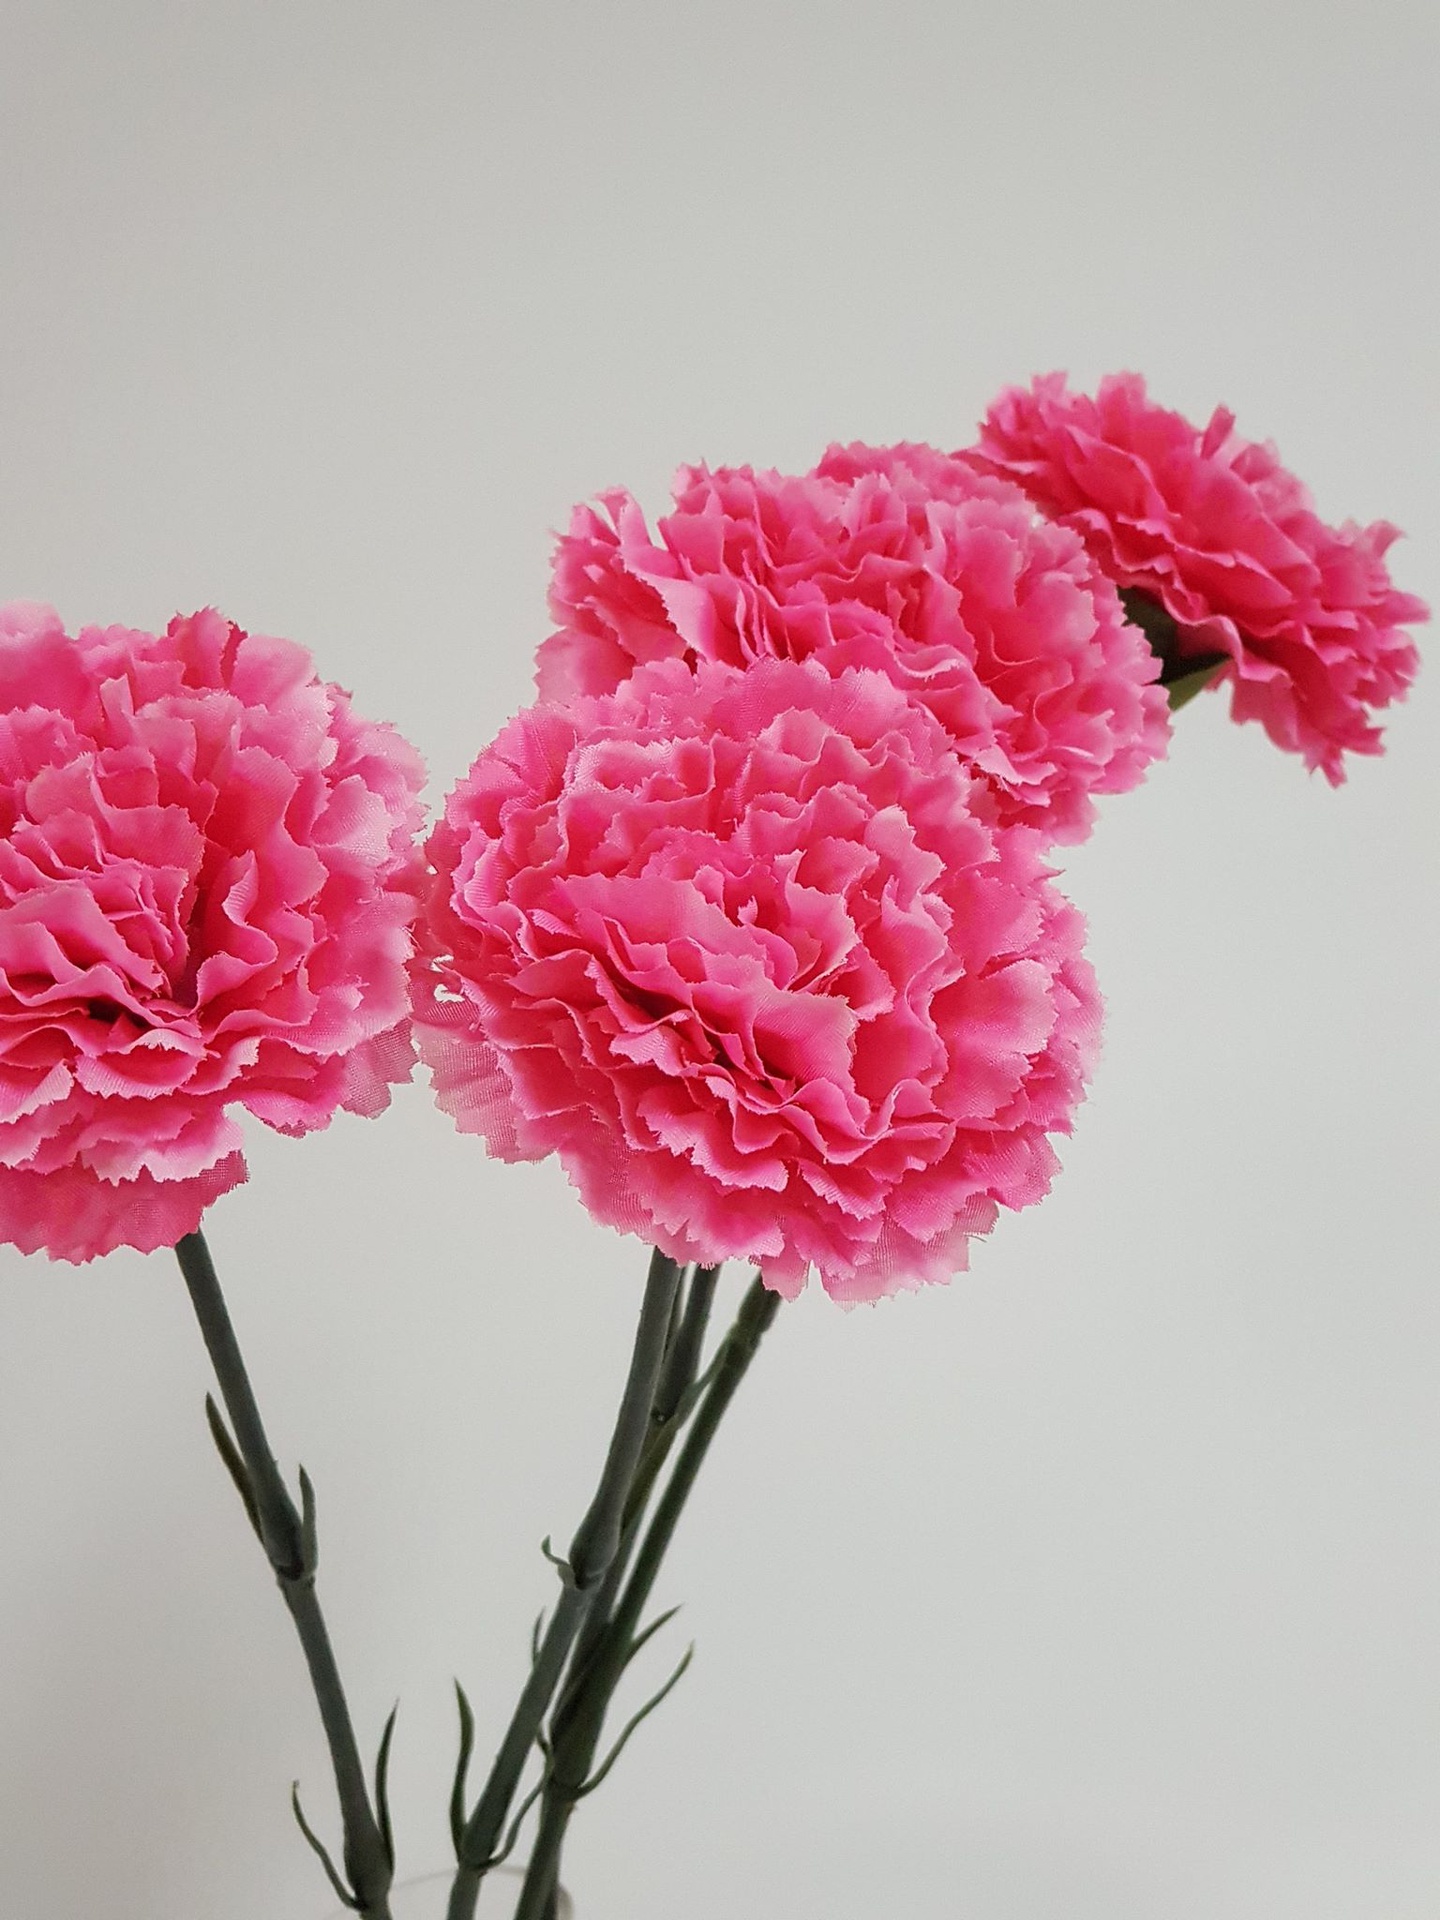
x=1147, y=613
x=1182, y=691
x=1182, y=679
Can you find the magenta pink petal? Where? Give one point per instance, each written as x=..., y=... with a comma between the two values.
x=206, y=883
x=900, y=560
x=845, y=1072
x=1213, y=528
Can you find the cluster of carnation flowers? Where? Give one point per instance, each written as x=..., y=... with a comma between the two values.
x=750, y=919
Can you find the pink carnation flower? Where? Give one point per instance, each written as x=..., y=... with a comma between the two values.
x=898, y=559
x=737, y=947
x=1215, y=530
x=207, y=877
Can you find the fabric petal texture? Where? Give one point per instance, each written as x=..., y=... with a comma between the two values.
x=897, y=559
x=1308, y=626
x=740, y=946
x=208, y=875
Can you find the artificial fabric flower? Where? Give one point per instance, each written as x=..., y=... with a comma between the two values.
x=898, y=559
x=738, y=947
x=207, y=877
x=1228, y=563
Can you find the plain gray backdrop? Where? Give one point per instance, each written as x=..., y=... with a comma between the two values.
x=1100, y=1585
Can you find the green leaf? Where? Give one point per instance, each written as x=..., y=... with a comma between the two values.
x=462, y=1769
x=566, y=1571
x=382, y=1787
x=499, y=1859
x=342, y=1892
x=632, y=1723
x=648, y=1633
x=234, y=1465
x=309, y=1541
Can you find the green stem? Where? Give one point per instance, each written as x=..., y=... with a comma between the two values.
x=288, y=1539
x=677, y=1377
x=575, y=1735
x=596, y=1543
x=682, y=1362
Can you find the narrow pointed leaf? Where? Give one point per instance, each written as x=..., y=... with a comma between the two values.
x=566, y=1571
x=648, y=1633
x=632, y=1723
x=342, y=1892
x=234, y=1465
x=309, y=1541
x=382, y=1786
x=514, y=1833
x=462, y=1767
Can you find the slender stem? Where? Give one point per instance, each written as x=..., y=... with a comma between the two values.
x=542, y=1877
x=757, y=1312
x=682, y=1361
x=598, y=1535
x=288, y=1539
x=596, y=1543
x=677, y=1376
x=577, y=1728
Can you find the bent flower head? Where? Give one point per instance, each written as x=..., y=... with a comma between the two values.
x=1212, y=527
x=207, y=878
x=739, y=948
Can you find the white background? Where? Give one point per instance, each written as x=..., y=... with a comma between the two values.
x=1101, y=1585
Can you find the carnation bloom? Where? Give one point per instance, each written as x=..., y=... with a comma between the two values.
x=207, y=876
x=738, y=948
x=899, y=559
x=1213, y=528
